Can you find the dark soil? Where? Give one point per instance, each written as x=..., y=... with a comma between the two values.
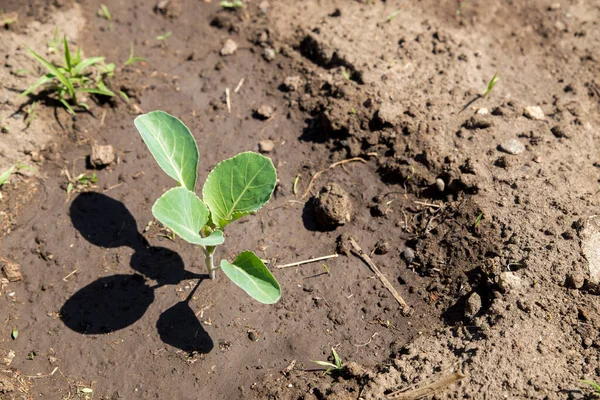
x=493, y=251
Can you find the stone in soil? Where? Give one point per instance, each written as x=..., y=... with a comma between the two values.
x=512, y=146
x=408, y=254
x=269, y=54
x=590, y=245
x=229, y=47
x=6, y=357
x=11, y=270
x=473, y=305
x=440, y=184
x=479, y=121
x=332, y=206
x=292, y=83
x=534, y=112
x=102, y=155
x=263, y=112
x=266, y=146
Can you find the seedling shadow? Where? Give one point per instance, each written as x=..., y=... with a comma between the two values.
x=116, y=302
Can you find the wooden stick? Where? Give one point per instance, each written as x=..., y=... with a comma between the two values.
x=228, y=100
x=295, y=264
x=427, y=204
x=239, y=86
x=406, y=310
x=428, y=389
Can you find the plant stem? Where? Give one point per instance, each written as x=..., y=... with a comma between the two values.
x=209, y=260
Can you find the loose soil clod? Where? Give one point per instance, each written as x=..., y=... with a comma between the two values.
x=332, y=206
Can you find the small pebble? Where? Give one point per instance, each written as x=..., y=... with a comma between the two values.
x=266, y=146
x=483, y=111
x=389, y=113
x=473, y=305
x=408, y=254
x=269, y=54
x=534, y=112
x=440, y=184
x=292, y=83
x=263, y=112
x=102, y=155
x=512, y=146
x=11, y=270
x=229, y=47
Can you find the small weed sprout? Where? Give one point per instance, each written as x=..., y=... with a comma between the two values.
x=104, y=13
x=236, y=187
x=5, y=175
x=393, y=15
x=490, y=86
x=478, y=220
x=7, y=19
x=54, y=44
x=163, y=38
x=594, y=385
x=81, y=181
x=231, y=5
x=73, y=77
x=30, y=111
x=132, y=58
x=346, y=74
x=337, y=365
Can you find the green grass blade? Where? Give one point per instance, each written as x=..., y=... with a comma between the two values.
x=55, y=71
x=5, y=175
x=88, y=62
x=67, y=106
x=184, y=213
x=103, y=92
x=592, y=384
x=251, y=275
x=338, y=362
x=172, y=145
x=42, y=81
x=239, y=186
x=67, y=54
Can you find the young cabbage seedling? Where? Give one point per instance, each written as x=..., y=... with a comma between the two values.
x=234, y=188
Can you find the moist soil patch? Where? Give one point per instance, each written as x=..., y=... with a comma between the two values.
x=492, y=249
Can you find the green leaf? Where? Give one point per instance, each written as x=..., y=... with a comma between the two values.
x=105, y=92
x=67, y=54
x=185, y=214
x=42, y=81
x=326, y=364
x=88, y=62
x=5, y=175
x=59, y=75
x=172, y=145
x=250, y=274
x=338, y=361
x=239, y=186
x=14, y=334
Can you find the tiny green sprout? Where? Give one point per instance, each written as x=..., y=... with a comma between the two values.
x=81, y=181
x=30, y=111
x=478, y=220
x=104, y=13
x=22, y=72
x=124, y=96
x=393, y=15
x=132, y=58
x=335, y=366
x=7, y=19
x=232, y=4
x=163, y=38
x=353, y=111
x=54, y=44
x=73, y=77
x=490, y=85
x=5, y=175
x=236, y=187
x=326, y=269
x=14, y=334
x=594, y=385
x=345, y=74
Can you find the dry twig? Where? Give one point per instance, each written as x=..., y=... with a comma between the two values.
x=406, y=310
x=428, y=389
